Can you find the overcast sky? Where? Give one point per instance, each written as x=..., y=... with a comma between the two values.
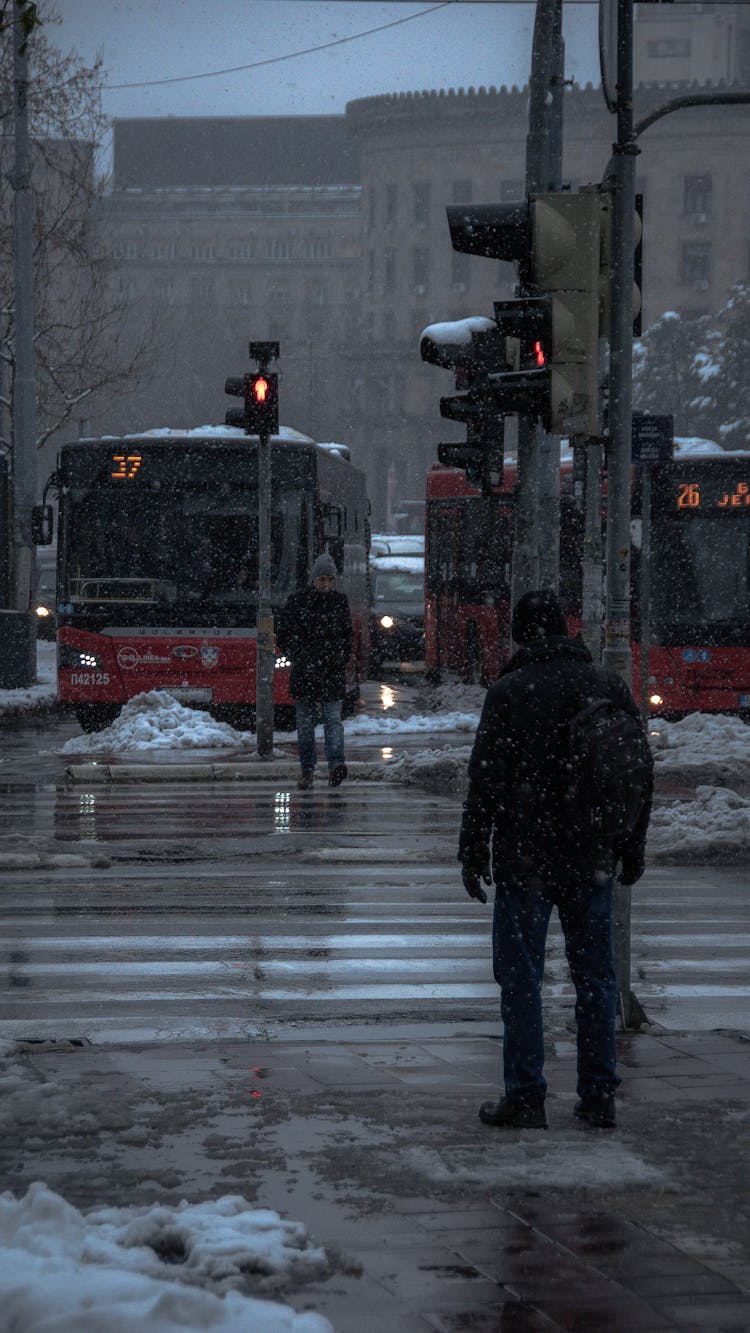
x=455, y=45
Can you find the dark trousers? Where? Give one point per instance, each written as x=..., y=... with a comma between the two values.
x=519, y=937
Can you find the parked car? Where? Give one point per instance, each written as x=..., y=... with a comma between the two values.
x=397, y=616
x=391, y=543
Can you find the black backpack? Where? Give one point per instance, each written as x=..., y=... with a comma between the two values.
x=612, y=768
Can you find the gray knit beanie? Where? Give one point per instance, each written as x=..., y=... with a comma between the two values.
x=323, y=565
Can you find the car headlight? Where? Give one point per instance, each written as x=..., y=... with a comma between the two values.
x=387, y=622
x=43, y=611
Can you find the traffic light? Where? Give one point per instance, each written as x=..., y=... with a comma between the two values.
x=560, y=244
x=474, y=349
x=260, y=414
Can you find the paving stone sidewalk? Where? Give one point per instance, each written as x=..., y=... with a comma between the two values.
x=432, y=1222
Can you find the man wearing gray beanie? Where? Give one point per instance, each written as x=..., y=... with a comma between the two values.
x=315, y=632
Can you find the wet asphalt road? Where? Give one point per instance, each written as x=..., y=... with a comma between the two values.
x=214, y=908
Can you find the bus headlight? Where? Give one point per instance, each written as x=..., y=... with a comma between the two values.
x=43, y=611
x=280, y=663
x=74, y=658
x=655, y=700
x=387, y=622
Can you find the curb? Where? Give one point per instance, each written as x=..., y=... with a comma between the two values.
x=247, y=771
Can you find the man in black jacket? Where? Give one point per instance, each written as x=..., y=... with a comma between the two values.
x=315, y=631
x=520, y=798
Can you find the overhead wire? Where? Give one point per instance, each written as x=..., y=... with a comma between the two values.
x=275, y=60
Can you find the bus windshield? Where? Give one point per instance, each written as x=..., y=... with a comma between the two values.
x=701, y=570
x=700, y=553
x=186, y=535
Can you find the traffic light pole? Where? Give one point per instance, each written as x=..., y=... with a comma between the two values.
x=265, y=628
x=536, y=542
x=617, y=654
x=260, y=416
x=24, y=390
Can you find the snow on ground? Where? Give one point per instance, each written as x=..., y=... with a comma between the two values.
x=41, y=695
x=222, y=1264
x=155, y=720
x=702, y=748
x=161, y=1269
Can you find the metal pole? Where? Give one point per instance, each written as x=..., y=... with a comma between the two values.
x=645, y=588
x=24, y=387
x=548, y=530
x=617, y=654
x=525, y=572
x=265, y=640
x=592, y=549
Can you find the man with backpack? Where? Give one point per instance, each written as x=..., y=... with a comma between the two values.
x=560, y=783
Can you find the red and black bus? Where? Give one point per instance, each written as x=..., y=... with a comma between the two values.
x=699, y=645
x=158, y=560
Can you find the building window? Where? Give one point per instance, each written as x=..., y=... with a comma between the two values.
x=422, y=203
x=389, y=326
x=370, y=270
x=279, y=247
x=421, y=269
x=696, y=264
x=462, y=192
x=391, y=202
x=164, y=290
x=511, y=190
x=668, y=47
x=389, y=270
x=164, y=250
x=202, y=290
x=696, y=197
x=460, y=273
x=321, y=248
x=200, y=250
x=244, y=250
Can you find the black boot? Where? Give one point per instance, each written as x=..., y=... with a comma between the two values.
x=597, y=1110
x=514, y=1113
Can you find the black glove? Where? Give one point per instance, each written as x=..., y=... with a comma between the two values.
x=471, y=877
x=633, y=864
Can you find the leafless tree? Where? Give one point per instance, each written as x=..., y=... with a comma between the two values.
x=80, y=301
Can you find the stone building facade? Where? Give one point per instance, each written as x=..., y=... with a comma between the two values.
x=329, y=234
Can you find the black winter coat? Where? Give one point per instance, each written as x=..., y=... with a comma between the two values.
x=315, y=632
x=518, y=777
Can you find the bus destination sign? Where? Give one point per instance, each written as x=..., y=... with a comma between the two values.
x=712, y=493
x=125, y=466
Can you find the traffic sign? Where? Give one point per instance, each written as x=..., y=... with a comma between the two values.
x=652, y=439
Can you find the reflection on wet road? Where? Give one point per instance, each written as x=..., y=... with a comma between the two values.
x=248, y=907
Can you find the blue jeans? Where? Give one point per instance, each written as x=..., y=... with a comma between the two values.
x=519, y=935
x=333, y=732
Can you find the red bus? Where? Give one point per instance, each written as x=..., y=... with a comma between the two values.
x=157, y=564
x=699, y=648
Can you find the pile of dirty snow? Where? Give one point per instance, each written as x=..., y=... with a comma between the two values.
x=714, y=827
x=155, y=720
x=161, y=1269
x=702, y=747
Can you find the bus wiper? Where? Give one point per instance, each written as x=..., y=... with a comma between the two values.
x=129, y=590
